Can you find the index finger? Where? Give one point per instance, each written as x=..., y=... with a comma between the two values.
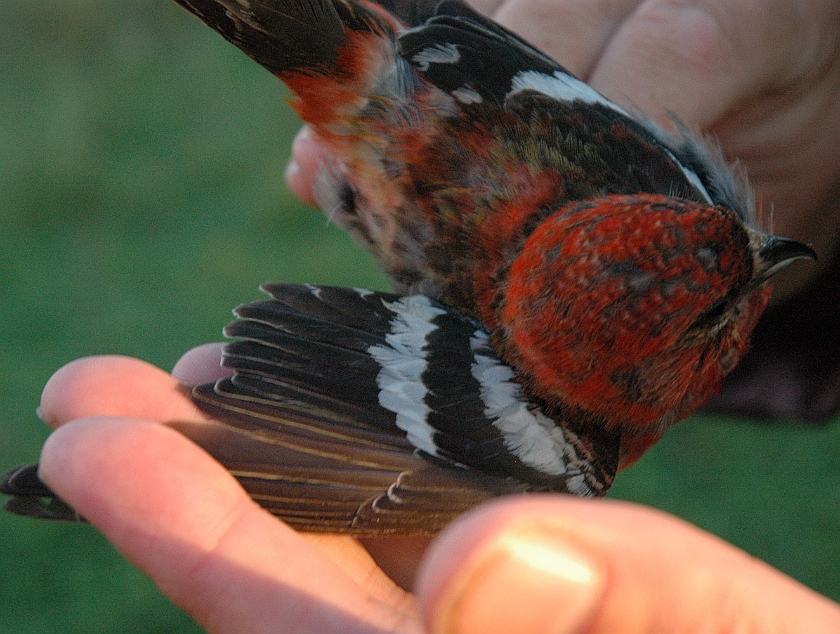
x=113, y=385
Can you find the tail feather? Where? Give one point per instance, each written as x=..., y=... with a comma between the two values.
x=304, y=36
x=295, y=35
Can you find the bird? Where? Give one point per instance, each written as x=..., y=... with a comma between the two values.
x=570, y=279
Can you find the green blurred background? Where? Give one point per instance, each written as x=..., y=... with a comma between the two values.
x=141, y=197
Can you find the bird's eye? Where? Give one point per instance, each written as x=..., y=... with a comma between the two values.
x=714, y=313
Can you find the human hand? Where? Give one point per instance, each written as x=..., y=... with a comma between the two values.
x=761, y=77
x=527, y=564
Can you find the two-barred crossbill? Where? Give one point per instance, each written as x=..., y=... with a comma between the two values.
x=571, y=281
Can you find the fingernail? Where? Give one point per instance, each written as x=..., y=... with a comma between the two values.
x=525, y=581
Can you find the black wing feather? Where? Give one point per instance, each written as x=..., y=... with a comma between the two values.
x=304, y=428
x=489, y=55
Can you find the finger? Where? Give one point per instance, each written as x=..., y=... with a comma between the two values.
x=307, y=157
x=201, y=365
x=573, y=33
x=698, y=60
x=540, y=563
x=184, y=521
x=116, y=386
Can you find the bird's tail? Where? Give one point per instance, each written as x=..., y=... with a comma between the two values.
x=334, y=54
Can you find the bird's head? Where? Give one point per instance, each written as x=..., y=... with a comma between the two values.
x=629, y=310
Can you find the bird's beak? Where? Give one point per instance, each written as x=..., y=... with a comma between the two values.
x=775, y=253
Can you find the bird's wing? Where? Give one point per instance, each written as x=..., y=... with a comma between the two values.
x=367, y=412
x=462, y=52
x=476, y=60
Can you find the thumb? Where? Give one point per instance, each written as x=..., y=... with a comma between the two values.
x=538, y=564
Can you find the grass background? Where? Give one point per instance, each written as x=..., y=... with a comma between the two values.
x=141, y=197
